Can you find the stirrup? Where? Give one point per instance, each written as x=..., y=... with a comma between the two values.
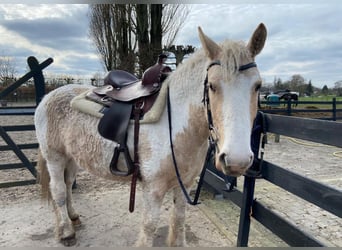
x=114, y=162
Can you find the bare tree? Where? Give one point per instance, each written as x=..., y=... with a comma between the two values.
x=7, y=70
x=111, y=32
x=126, y=34
x=172, y=21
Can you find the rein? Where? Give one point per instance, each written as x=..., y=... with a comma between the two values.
x=212, y=147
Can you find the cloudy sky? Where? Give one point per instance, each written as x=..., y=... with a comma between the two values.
x=303, y=38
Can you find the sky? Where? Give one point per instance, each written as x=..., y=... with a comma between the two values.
x=303, y=38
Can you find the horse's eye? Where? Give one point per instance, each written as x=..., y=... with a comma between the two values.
x=257, y=87
x=211, y=86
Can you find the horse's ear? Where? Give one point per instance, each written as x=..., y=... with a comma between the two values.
x=257, y=41
x=211, y=48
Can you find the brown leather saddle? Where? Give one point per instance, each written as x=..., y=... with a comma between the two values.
x=124, y=86
x=125, y=97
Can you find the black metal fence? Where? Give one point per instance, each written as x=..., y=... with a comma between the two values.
x=325, y=197
x=37, y=74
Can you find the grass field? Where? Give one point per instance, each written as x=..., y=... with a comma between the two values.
x=327, y=99
x=320, y=98
x=314, y=105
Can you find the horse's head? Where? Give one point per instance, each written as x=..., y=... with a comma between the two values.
x=232, y=89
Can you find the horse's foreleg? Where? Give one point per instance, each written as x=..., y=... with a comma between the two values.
x=176, y=235
x=65, y=230
x=152, y=201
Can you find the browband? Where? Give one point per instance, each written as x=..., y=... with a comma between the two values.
x=241, y=68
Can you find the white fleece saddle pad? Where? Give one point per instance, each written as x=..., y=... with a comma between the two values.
x=82, y=104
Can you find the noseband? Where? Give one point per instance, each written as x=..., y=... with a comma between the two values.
x=213, y=138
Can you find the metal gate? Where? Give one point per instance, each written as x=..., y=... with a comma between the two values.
x=37, y=75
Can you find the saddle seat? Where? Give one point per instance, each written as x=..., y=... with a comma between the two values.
x=123, y=86
x=120, y=78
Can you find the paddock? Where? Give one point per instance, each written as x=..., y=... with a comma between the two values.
x=26, y=221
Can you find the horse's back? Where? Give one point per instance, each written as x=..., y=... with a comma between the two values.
x=53, y=111
x=64, y=132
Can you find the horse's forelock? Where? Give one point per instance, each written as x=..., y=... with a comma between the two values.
x=232, y=54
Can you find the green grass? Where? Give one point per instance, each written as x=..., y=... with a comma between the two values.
x=320, y=99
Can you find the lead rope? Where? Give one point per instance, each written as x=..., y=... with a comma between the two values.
x=207, y=160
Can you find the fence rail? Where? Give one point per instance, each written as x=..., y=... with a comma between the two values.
x=325, y=197
x=289, y=108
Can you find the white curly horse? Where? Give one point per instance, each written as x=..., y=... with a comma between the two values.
x=69, y=139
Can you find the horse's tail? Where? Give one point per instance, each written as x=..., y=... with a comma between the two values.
x=43, y=177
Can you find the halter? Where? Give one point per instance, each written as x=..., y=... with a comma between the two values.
x=212, y=141
x=212, y=130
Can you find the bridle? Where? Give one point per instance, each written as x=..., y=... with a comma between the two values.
x=212, y=134
x=213, y=138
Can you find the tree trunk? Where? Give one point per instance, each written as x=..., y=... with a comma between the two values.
x=142, y=36
x=156, y=30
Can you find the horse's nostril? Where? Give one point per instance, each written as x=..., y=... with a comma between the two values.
x=251, y=158
x=223, y=159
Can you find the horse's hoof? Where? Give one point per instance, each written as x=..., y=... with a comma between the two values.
x=76, y=222
x=69, y=240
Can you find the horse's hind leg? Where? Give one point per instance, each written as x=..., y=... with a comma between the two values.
x=70, y=176
x=65, y=230
x=176, y=235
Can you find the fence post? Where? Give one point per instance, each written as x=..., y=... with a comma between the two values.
x=246, y=211
x=334, y=109
x=25, y=78
x=38, y=78
x=289, y=107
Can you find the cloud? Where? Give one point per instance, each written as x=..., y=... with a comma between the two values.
x=52, y=33
x=302, y=38
x=57, y=31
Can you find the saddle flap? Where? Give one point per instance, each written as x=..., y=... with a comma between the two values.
x=114, y=123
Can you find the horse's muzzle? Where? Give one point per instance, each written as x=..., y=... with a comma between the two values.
x=234, y=166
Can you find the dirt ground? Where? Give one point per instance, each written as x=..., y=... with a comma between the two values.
x=27, y=221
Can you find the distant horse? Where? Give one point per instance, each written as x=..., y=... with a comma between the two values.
x=290, y=96
x=225, y=73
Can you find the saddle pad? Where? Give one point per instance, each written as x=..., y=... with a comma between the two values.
x=86, y=106
x=81, y=103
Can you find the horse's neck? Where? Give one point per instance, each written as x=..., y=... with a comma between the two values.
x=186, y=83
x=186, y=94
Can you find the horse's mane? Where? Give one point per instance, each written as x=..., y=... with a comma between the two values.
x=194, y=68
